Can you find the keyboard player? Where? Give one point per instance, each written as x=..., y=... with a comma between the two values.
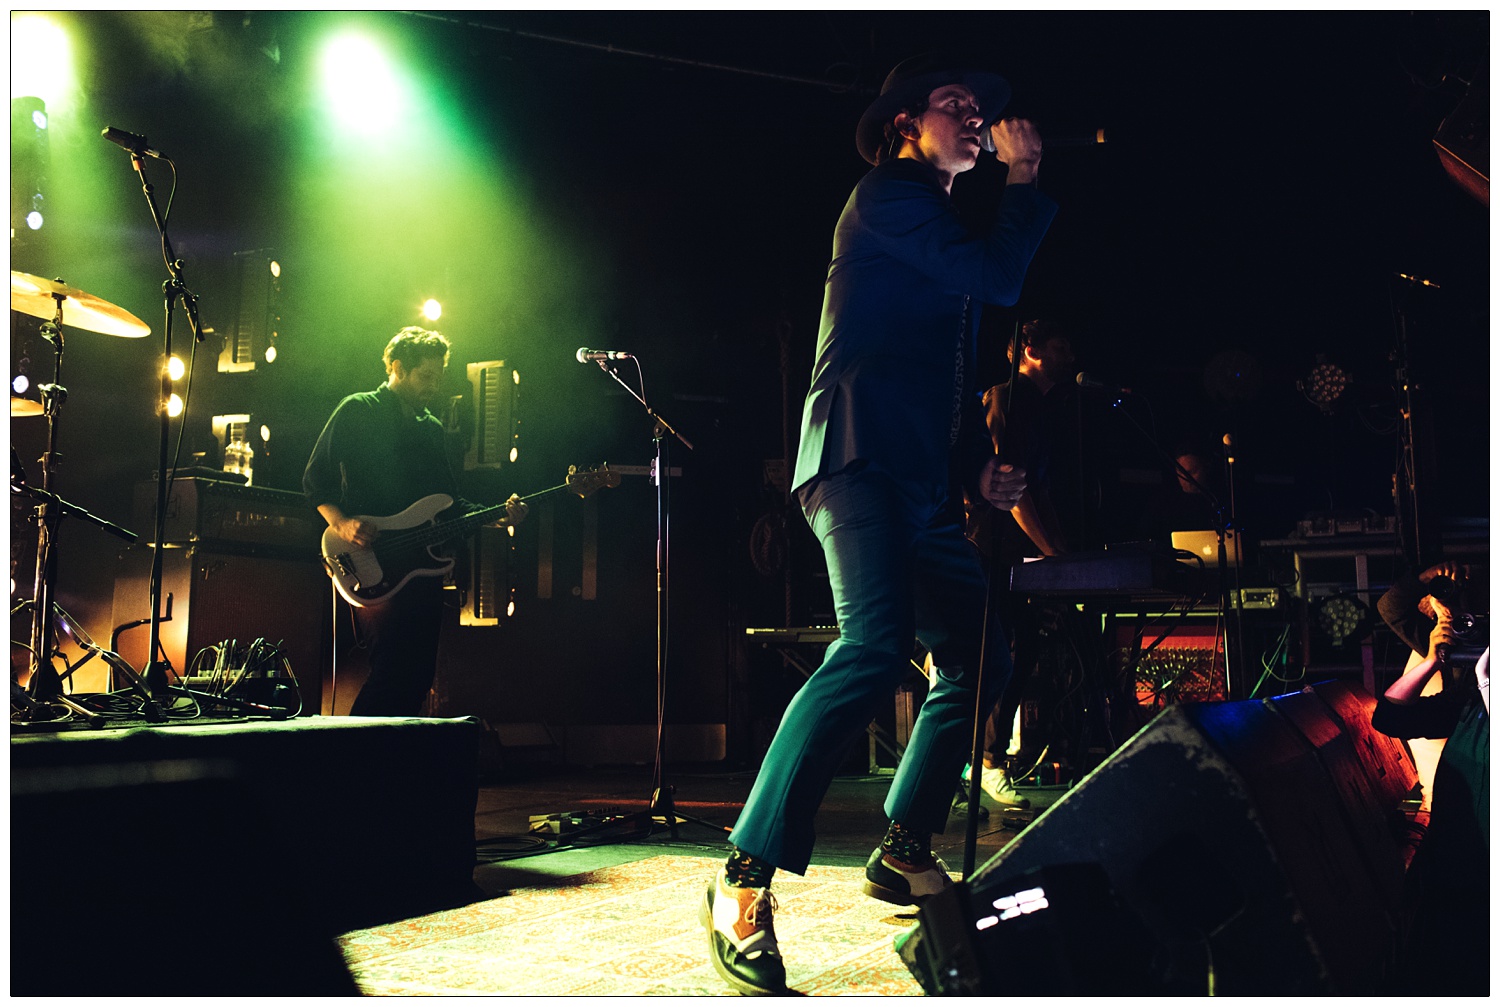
x=1033, y=420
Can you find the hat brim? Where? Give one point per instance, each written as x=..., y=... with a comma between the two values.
x=991, y=90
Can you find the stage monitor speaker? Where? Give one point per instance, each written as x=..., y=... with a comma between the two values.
x=1370, y=786
x=1052, y=931
x=222, y=595
x=1221, y=828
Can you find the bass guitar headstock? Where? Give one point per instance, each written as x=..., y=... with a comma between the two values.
x=585, y=481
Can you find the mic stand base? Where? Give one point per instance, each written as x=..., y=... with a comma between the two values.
x=662, y=806
x=32, y=710
x=642, y=824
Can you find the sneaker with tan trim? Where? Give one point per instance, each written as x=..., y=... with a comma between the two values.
x=995, y=782
x=742, y=937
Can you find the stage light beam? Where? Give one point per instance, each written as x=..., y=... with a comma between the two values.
x=360, y=85
x=41, y=59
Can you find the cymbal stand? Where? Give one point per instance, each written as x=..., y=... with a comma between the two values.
x=661, y=804
x=45, y=688
x=173, y=289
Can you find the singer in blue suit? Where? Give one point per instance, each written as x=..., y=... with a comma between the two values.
x=893, y=435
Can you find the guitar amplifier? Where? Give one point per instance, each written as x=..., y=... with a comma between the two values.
x=220, y=595
x=231, y=516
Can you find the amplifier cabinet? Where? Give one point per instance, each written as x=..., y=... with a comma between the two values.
x=248, y=518
x=219, y=596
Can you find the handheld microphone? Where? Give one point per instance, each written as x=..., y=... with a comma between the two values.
x=133, y=142
x=586, y=355
x=1087, y=380
x=1094, y=139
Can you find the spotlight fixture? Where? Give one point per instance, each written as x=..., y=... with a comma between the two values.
x=1324, y=384
x=1339, y=618
x=432, y=309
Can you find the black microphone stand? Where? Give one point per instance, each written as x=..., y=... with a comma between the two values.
x=661, y=803
x=1414, y=466
x=173, y=288
x=981, y=713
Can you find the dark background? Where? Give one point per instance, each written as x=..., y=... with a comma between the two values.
x=1267, y=175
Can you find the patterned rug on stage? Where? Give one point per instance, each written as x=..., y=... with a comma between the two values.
x=632, y=930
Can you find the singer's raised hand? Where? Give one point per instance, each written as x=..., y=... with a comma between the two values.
x=1019, y=146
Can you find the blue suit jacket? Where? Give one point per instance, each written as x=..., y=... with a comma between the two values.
x=894, y=382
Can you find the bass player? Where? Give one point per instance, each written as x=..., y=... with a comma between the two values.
x=379, y=453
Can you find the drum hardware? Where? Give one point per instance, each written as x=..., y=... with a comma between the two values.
x=59, y=304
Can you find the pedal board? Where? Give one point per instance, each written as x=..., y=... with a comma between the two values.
x=562, y=823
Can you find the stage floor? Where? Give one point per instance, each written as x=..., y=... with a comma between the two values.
x=849, y=824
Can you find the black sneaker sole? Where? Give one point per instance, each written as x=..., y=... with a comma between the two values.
x=890, y=895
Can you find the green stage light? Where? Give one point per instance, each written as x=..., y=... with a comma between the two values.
x=360, y=84
x=41, y=59
x=432, y=310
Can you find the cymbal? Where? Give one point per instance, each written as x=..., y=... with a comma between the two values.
x=24, y=407
x=32, y=295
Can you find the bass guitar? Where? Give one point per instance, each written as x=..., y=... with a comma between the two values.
x=414, y=543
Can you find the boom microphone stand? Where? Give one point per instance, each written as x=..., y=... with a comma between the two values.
x=173, y=288
x=661, y=804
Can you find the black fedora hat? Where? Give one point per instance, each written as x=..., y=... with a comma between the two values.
x=918, y=77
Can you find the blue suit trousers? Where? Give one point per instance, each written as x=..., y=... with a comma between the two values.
x=901, y=571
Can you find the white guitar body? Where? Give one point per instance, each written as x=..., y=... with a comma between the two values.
x=414, y=543
x=372, y=575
